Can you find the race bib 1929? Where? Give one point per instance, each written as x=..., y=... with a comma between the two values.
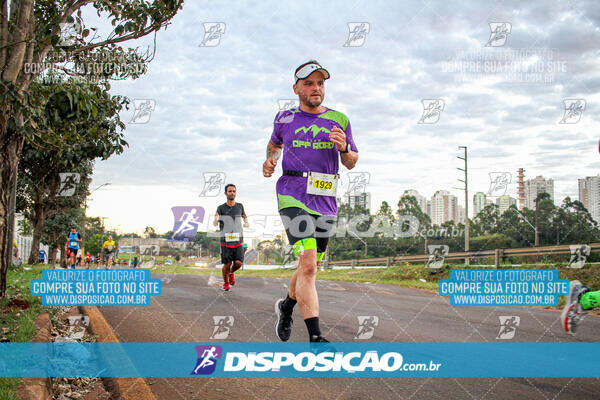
x=321, y=184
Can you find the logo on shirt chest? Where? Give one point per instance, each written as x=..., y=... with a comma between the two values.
x=314, y=129
x=312, y=144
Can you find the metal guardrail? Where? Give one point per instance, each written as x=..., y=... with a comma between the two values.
x=496, y=253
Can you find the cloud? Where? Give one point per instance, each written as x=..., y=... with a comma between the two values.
x=215, y=105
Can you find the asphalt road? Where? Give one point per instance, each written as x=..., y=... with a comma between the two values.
x=184, y=313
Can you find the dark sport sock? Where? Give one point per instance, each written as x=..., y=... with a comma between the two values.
x=312, y=324
x=287, y=306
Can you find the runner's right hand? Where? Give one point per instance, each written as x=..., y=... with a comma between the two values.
x=269, y=167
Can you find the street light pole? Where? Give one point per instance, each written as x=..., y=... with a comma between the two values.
x=537, y=234
x=466, y=182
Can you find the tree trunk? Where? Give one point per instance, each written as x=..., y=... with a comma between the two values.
x=9, y=159
x=63, y=259
x=37, y=233
x=52, y=255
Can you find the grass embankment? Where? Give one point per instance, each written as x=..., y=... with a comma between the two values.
x=405, y=276
x=411, y=275
x=18, y=311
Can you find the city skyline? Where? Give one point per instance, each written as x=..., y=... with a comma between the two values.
x=505, y=200
x=374, y=207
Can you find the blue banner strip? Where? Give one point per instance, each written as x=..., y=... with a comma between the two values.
x=253, y=359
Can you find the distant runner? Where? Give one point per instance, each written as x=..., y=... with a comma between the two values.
x=42, y=256
x=109, y=247
x=229, y=217
x=15, y=249
x=72, y=246
x=311, y=137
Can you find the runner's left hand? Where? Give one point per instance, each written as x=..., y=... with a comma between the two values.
x=338, y=137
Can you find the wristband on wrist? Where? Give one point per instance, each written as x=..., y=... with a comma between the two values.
x=347, y=149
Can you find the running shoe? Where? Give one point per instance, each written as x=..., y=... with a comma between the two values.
x=283, y=325
x=226, y=286
x=232, y=279
x=318, y=344
x=573, y=312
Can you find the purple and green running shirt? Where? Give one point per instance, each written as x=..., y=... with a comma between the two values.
x=306, y=147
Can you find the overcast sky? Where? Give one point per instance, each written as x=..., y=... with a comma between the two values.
x=214, y=105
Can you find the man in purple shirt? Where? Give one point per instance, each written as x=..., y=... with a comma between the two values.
x=310, y=137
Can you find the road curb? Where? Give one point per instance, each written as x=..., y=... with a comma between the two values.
x=38, y=388
x=125, y=388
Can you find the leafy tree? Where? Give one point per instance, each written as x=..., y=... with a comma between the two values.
x=572, y=223
x=408, y=205
x=98, y=136
x=37, y=192
x=352, y=221
x=56, y=227
x=209, y=244
x=272, y=250
x=486, y=221
x=30, y=35
x=93, y=226
x=93, y=245
x=512, y=225
x=386, y=211
x=150, y=232
x=131, y=235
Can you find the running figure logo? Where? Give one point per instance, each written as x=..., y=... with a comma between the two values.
x=574, y=109
x=358, y=34
x=68, y=184
x=212, y=34
x=284, y=105
x=223, y=325
x=499, y=32
x=357, y=182
x=287, y=104
x=77, y=326
x=366, y=326
x=499, y=182
x=437, y=253
x=143, y=109
x=149, y=249
x=207, y=359
x=432, y=109
x=508, y=327
x=187, y=222
x=213, y=182
x=579, y=253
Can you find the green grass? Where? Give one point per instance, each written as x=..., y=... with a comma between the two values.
x=406, y=275
x=400, y=276
x=17, y=324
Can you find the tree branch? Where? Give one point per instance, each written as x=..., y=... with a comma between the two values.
x=133, y=35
